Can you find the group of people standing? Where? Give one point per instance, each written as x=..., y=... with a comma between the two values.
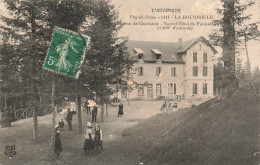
x=92, y=139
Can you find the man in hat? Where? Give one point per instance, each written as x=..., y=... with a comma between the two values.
x=120, y=110
x=94, y=114
x=69, y=119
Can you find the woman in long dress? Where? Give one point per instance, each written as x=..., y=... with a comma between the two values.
x=88, y=143
x=98, y=138
x=57, y=147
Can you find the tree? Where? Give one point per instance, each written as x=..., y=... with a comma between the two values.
x=107, y=60
x=228, y=36
x=218, y=77
x=24, y=32
x=27, y=35
x=70, y=15
x=239, y=69
x=247, y=33
x=256, y=73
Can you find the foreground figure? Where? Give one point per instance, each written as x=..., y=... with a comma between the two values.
x=88, y=143
x=120, y=110
x=69, y=119
x=98, y=138
x=56, y=142
x=94, y=114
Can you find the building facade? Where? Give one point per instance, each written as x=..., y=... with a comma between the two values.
x=171, y=69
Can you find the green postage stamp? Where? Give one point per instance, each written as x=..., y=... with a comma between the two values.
x=66, y=53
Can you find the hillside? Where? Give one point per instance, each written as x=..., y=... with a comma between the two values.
x=226, y=132
x=215, y=132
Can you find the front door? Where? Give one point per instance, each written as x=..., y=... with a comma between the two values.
x=149, y=90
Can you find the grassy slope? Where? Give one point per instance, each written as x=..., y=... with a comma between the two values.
x=212, y=133
x=226, y=133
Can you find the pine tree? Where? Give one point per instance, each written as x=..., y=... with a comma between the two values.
x=256, y=73
x=239, y=68
x=24, y=30
x=28, y=34
x=228, y=36
x=107, y=59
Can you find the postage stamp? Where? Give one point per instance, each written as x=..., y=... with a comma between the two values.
x=66, y=52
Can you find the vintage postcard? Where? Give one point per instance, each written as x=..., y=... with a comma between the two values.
x=129, y=82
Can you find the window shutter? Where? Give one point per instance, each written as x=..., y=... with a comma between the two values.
x=194, y=90
x=205, y=71
x=205, y=88
x=195, y=71
x=194, y=57
x=205, y=57
x=173, y=71
x=157, y=71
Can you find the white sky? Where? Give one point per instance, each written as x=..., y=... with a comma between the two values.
x=188, y=7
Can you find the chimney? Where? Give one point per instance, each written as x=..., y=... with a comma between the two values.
x=180, y=43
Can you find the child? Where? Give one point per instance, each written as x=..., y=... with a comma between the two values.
x=61, y=124
x=56, y=142
x=88, y=142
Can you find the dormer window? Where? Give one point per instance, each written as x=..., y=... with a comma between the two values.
x=140, y=56
x=157, y=54
x=139, y=52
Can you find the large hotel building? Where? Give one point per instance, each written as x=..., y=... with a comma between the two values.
x=182, y=69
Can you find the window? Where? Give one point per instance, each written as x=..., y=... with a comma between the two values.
x=205, y=88
x=158, y=71
x=158, y=89
x=173, y=70
x=195, y=71
x=170, y=89
x=205, y=71
x=194, y=57
x=149, y=90
x=140, y=56
x=194, y=89
x=140, y=89
x=140, y=71
x=174, y=89
x=158, y=56
x=205, y=57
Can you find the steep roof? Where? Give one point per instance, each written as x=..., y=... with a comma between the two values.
x=170, y=52
x=189, y=43
x=166, y=48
